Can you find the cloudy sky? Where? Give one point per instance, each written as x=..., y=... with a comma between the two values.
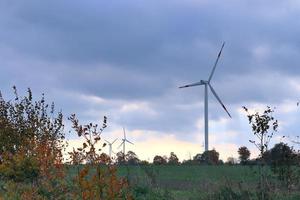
x=126, y=59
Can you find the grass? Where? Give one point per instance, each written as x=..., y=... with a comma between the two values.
x=191, y=182
x=199, y=182
x=183, y=181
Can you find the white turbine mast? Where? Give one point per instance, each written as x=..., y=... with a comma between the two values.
x=124, y=140
x=110, y=146
x=206, y=85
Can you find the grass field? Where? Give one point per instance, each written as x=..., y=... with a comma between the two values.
x=199, y=182
x=192, y=182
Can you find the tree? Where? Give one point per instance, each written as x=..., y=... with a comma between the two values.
x=210, y=157
x=24, y=120
x=244, y=155
x=197, y=158
x=230, y=161
x=120, y=158
x=131, y=158
x=31, y=145
x=159, y=160
x=144, y=162
x=220, y=162
x=173, y=159
x=263, y=127
x=282, y=159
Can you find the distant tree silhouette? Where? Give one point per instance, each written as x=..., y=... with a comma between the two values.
x=282, y=159
x=220, y=162
x=159, y=160
x=210, y=157
x=144, y=162
x=173, y=159
x=188, y=162
x=244, y=155
x=131, y=158
x=197, y=157
x=120, y=158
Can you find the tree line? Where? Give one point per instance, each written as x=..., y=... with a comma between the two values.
x=280, y=154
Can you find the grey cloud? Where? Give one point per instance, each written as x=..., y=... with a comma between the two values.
x=144, y=36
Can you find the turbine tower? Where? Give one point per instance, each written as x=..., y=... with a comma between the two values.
x=110, y=146
x=124, y=140
x=207, y=84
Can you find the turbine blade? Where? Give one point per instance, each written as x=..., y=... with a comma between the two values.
x=124, y=133
x=114, y=141
x=120, y=144
x=129, y=141
x=293, y=141
x=193, y=84
x=216, y=62
x=215, y=94
x=107, y=142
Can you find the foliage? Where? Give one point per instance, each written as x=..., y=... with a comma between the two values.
x=131, y=158
x=244, y=154
x=282, y=160
x=98, y=178
x=24, y=120
x=31, y=152
x=210, y=157
x=263, y=127
x=227, y=193
x=159, y=160
x=19, y=168
x=173, y=159
x=144, y=162
x=31, y=144
x=188, y=162
x=120, y=158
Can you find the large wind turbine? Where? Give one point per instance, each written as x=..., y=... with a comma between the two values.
x=124, y=140
x=110, y=146
x=206, y=85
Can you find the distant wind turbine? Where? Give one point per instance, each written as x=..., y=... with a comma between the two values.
x=124, y=140
x=110, y=146
x=207, y=84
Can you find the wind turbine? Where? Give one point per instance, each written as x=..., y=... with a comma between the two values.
x=110, y=146
x=206, y=85
x=124, y=140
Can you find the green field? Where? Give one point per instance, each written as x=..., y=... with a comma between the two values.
x=198, y=182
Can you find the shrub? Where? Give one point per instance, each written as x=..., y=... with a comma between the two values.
x=98, y=178
x=32, y=146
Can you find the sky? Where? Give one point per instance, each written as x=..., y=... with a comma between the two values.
x=126, y=59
